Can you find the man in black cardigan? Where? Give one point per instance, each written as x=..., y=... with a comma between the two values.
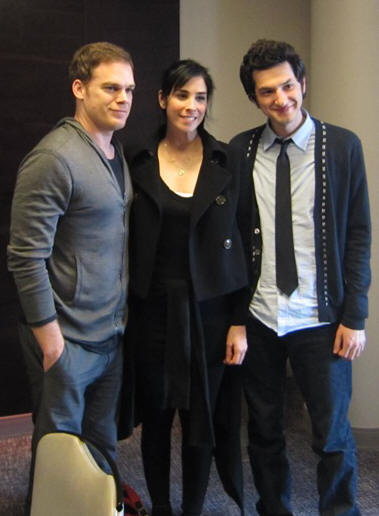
x=309, y=279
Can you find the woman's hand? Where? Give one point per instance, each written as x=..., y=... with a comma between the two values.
x=236, y=345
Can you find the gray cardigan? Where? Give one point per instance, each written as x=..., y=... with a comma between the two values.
x=68, y=236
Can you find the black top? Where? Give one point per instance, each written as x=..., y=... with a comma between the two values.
x=172, y=252
x=118, y=169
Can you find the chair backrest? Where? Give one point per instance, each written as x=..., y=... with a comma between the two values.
x=68, y=481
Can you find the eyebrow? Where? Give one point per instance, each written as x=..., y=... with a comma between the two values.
x=264, y=88
x=183, y=90
x=118, y=85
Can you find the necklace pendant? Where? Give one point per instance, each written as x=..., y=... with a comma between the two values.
x=181, y=172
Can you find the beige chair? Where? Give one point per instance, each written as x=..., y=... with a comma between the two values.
x=68, y=481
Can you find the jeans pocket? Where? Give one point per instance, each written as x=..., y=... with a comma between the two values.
x=58, y=362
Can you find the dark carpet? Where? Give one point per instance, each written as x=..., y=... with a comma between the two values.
x=14, y=466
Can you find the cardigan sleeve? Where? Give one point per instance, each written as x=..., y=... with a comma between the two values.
x=356, y=266
x=41, y=196
x=240, y=299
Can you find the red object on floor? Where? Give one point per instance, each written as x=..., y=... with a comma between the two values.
x=133, y=505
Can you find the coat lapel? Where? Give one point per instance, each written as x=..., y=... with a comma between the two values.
x=146, y=177
x=212, y=180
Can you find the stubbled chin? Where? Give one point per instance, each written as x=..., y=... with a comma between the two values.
x=119, y=125
x=120, y=120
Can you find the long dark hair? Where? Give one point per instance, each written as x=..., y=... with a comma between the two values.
x=181, y=72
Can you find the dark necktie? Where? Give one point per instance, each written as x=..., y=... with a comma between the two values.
x=286, y=274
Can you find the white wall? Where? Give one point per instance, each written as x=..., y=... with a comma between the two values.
x=345, y=84
x=218, y=33
x=338, y=40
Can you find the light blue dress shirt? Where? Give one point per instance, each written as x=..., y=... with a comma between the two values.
x=273, y=308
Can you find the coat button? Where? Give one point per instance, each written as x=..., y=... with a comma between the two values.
x=228, y=243
x=220, y=200
x=256, y=231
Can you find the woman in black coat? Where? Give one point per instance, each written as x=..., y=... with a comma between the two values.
x=189, y=298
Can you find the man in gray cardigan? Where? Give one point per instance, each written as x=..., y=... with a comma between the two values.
x=67, y=252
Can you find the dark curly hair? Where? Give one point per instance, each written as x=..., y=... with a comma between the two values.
x=265, y=54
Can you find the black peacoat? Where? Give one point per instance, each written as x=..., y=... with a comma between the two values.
x=219, y=225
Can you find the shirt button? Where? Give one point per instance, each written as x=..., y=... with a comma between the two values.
x=228, y=243
x=220, y=200
x=256, y=231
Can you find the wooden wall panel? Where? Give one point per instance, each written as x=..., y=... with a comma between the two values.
x=37, y=40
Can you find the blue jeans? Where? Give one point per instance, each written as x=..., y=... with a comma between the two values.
x=325, y=382
x=79, y=393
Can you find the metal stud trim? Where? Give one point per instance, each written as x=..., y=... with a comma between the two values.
x=324, y=250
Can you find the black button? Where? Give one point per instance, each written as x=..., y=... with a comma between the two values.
x=220, y=200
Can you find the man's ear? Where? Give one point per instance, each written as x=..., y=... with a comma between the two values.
x=162, y=100
x=78, y=89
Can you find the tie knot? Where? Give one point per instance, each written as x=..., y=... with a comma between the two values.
x=284, y=143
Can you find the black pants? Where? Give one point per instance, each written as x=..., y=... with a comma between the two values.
x=156, y=447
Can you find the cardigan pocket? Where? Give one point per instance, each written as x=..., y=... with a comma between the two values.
x=65, y=279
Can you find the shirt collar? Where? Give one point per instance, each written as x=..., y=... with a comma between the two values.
x=299, y=137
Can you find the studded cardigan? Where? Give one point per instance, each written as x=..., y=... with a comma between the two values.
x=342, y=223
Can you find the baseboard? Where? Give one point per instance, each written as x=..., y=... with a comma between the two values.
x=367, y=438
x=16, y=426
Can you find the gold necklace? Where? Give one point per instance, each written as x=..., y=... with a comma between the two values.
x=180, y=169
